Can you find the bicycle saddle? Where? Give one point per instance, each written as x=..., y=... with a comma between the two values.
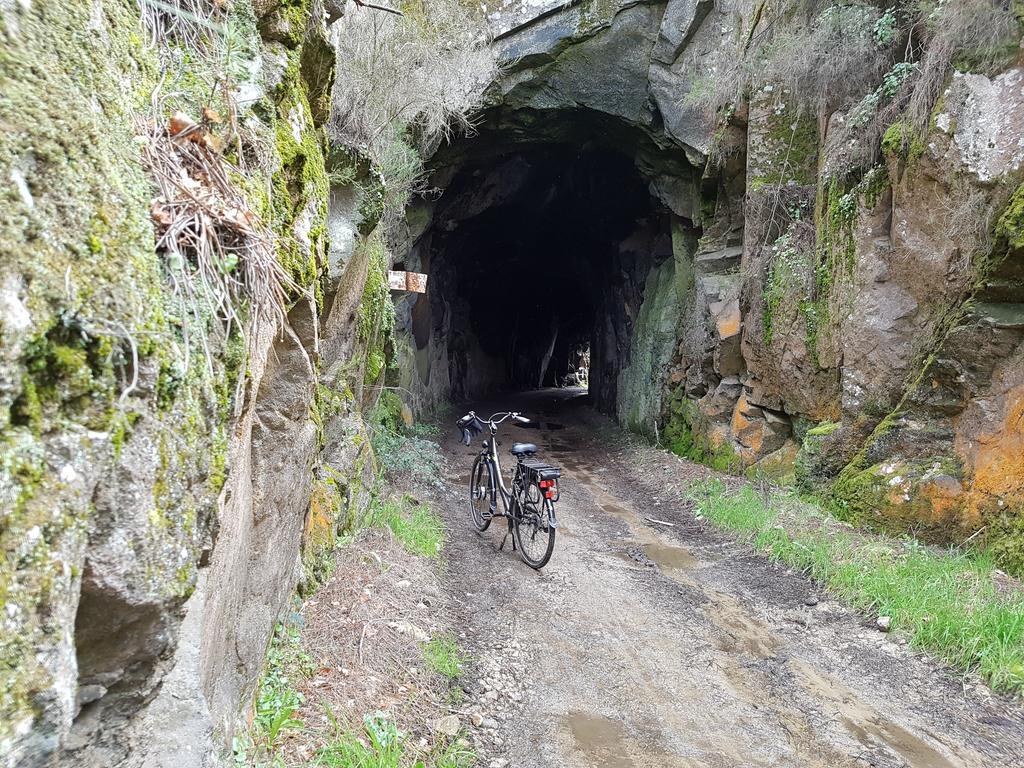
x=519, y=449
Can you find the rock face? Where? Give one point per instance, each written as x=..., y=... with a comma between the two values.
x=166, y=483
x=809, y=325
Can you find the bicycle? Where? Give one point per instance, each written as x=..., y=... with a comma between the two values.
x=529, y=503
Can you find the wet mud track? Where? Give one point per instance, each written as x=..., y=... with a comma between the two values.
x=652, y=641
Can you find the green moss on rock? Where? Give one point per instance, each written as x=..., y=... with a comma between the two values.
x=897, y=495
x=1009, y=228
x=688, y=434
x=375, y=318
x=901, y=141
x=790, y=152
x=1004, y=539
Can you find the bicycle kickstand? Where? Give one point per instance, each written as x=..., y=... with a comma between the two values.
x=505, y=538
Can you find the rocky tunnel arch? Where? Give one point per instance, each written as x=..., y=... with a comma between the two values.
x=547, y=238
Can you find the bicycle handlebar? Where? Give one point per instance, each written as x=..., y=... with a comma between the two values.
x=471, y=424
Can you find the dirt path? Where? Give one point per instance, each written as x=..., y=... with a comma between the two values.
x=711, y=657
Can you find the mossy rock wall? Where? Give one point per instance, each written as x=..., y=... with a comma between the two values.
x=136, y=458
x=652, y=346
x=82, y=287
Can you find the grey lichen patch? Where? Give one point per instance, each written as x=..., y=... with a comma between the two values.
x=41, y=536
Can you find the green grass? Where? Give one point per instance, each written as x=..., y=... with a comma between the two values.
x=382, y=745
x=415, y=525
x=277, y=701
x=945, y=601
x=442, y=655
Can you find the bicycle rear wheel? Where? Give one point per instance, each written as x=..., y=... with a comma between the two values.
x=481, y=491
x=531, y=528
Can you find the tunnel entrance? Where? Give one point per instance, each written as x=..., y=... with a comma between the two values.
x=538, y=259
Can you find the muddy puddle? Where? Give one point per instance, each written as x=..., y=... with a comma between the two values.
x=740, y=633
x=601, y=739
x=616, y=511
x=664, y=556
x=668, y=556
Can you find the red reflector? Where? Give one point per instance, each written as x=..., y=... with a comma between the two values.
x=546, y=483
x=549, y=494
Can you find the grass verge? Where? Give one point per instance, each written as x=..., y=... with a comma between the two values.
x=414, y=524
x=955, y=605
x=277, y=701
x=382, y=745
x=353, y=648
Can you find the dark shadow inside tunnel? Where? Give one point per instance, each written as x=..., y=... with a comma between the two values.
x=538, y=258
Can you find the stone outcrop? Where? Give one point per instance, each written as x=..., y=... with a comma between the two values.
x=165, y=484
x=821, y=327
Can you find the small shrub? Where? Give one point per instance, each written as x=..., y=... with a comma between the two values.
x=404, y=450
x=402, y=454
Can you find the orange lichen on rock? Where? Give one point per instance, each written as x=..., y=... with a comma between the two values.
x=319, y=529
x=727, y=318
x=999, y=460
x=942, y=501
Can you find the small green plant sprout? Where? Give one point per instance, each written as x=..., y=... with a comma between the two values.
x=277, y=701
x=442, y=655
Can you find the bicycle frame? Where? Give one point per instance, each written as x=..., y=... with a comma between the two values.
x=491, y=452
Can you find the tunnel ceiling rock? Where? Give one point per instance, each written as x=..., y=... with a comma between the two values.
x=631, y=61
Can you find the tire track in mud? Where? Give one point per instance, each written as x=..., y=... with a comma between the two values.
x=652, y=650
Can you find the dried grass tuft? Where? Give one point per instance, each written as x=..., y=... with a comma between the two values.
x=187, y=21
x=876, y=64
x=220, y=256
x=407, y=83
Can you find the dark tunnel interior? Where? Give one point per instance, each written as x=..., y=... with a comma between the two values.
x=538, y=260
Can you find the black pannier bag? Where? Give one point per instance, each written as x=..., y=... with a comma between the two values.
x=544, y=476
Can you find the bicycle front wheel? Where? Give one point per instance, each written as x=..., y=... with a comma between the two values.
x=481, y=491
x=532, y=530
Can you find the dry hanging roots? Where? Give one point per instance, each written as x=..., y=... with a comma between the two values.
x=220, y=256
x=186, y=21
